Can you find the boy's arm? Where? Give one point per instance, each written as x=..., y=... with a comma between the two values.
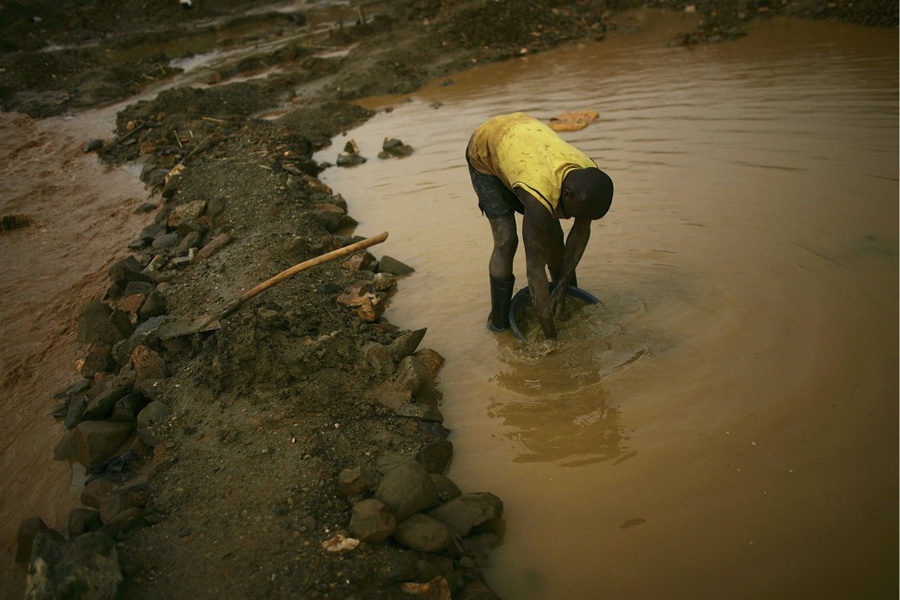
x=534, y=234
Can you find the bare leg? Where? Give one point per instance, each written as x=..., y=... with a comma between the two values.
x=501, y=270
x=506, y=241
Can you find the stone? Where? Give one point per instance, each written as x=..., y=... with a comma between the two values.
x=95, y=491
x=83, y=520
x=432, y=361
x=191, y=240
x=151, y=232
x=138, y=287
x=407, y=489
x=147, y=364
x=407, y=343
x=131, y=304
x=379, y=357
x=393, y=266
x=424, y=534
x=446, y=489
x=92, y=321
x=96, y=441
x=392, y=147
x=190, y=210
x=356, y=480
x=124, y=521
x=75, y=411
x=468, y=511
x=29, y=529
x=127, y=408
x=153, y=413
x=167, y=240
x=153, y=306
x=372, y=521
x=84, y=567
x=213, y=246
x=358, y=261
x=371, y=309
x=128, y=269
x=411, y=375
x=383, y=282
x=436, y=456
x=105, y=395
x=65, y=448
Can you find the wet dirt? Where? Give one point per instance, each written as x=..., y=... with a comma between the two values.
x=268, y=410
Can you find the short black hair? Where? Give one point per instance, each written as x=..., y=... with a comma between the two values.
x=589, y=193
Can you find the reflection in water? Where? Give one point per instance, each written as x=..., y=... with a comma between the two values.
x=559, y=410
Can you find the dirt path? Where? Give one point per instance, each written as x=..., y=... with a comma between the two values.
x=249, y=444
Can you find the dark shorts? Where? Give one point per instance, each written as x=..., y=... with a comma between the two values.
x=494, y=199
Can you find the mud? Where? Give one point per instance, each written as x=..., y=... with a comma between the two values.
x=239, y=485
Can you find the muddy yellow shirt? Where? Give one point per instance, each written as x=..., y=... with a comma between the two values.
x=524, y=152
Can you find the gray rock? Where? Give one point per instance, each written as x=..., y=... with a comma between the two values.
x=151, y=231
x=372, y=521
x=96, y=441
x=424, y=534
x=393, y=266
x=407, y=489
x=436, y=456
x=85, y=567
x=467, y=511
x=167, y=240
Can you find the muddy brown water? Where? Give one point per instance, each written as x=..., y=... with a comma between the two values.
x=82, y=218
x=725, y=425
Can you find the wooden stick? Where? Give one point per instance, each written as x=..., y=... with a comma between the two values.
x=301, y=267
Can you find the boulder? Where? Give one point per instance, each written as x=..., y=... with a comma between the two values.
x=96, y=441
x=188, y=211
x=411, y=375
x=371, y=521
x=96, y=491
x=424, y=534
x=468, y=511
x=153, y=306
x=407, y=489
x=84, y=567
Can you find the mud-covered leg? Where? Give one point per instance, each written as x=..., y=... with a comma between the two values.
x=500, y=268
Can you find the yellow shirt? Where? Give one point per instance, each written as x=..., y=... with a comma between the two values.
x=524, y=152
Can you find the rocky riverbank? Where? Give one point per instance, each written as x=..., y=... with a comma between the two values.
x=295, y=447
